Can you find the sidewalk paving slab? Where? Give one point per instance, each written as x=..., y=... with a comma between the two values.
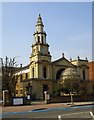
x=41, y=105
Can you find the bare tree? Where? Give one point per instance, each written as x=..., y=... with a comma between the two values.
x=8, y=75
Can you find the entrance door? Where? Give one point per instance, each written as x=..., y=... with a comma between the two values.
x=45, y=88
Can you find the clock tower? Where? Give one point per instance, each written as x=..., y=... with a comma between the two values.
x=40, y=59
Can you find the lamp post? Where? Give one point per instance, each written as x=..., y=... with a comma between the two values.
x=71, y=98
x=70, y=77
x=71, y=86
x=1, y=78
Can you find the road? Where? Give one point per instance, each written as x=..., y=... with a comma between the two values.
x=82, y=112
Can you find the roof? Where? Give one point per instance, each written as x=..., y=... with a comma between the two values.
x=62, y=59
x=80, y=60
x=70, y=72
x=23, y=68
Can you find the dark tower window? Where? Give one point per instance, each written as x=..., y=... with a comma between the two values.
x=33, y=72
x=42, y=39
x=84, y=74
x=38, y=39
x=26, y=76
x=44, y=72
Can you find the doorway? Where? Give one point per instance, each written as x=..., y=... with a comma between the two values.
x=45, y=88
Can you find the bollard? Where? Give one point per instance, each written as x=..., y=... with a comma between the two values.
x=45, y=97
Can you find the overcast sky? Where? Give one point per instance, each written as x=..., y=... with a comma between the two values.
x=68, y=27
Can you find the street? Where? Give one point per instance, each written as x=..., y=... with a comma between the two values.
x=82, y=112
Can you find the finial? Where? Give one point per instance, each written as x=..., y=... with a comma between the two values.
x=39, y=19
x=86, y=58
x=39, y=16
x=70, y=59
x=78, y=58
x=62, y=54
x=21, y=65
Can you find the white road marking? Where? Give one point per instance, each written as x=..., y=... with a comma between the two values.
x=91, y=114
x=29, y=111
x=74, y=113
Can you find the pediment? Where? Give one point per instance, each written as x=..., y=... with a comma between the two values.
x=63, y=62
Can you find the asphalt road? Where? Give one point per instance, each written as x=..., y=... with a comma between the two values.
x=73, y=113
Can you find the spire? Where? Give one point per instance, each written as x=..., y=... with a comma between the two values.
x=40, y=34
x=39, y=21
x=39, y=24
x=39, y=18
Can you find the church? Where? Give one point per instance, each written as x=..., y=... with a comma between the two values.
x=41, y=73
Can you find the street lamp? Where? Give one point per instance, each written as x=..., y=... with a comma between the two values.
x=70, y=78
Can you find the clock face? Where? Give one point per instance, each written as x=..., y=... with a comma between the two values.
x=43, y=50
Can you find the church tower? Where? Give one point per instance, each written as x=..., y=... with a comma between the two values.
x=40, y=59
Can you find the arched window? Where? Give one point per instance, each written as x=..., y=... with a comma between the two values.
x=33, y=72
x=44, y=72
x=58, y=75
x=84, y=74
x=26, y=75
x=38, y=39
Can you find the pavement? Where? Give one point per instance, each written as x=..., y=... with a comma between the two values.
x=38, y=105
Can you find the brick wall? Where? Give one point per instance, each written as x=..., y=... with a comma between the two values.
x=91, y=70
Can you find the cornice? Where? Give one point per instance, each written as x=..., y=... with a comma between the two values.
x=40, y=33
x=40, y=44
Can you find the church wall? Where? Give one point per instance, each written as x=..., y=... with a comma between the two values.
x=40, y=58
x=82, y=65
x=54, y=71
x=56, y=68
x=37, y=88
x=33, y=74
x=86, y=73
x=36, y=69
x=50, y=72
x=21, y=76
x=40, y=71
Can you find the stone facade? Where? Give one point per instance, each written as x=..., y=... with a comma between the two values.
x=40, y=75
x=82, y=67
